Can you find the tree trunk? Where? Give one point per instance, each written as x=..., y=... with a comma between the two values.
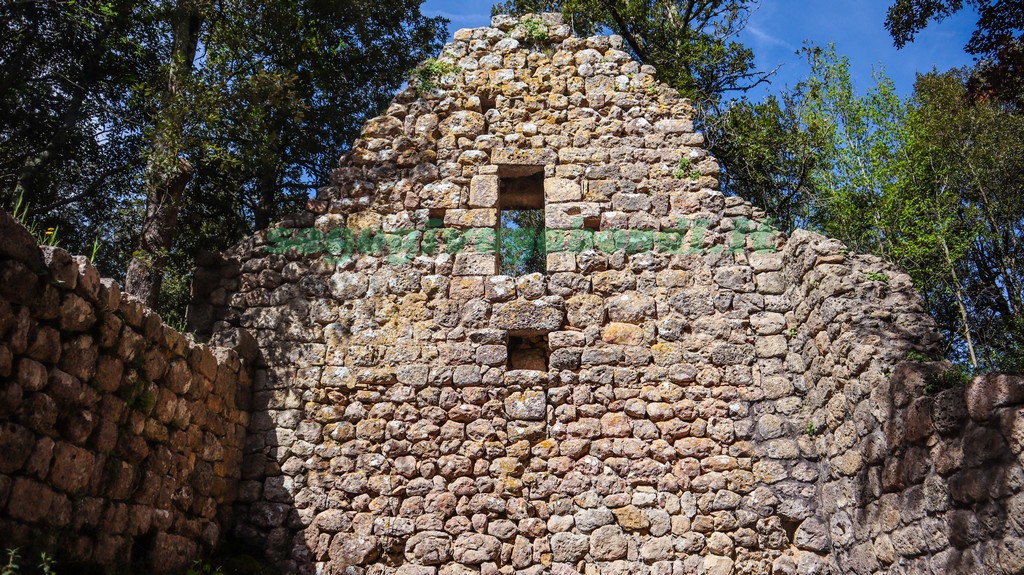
x=168, y=171
x=268, y=187
x=960, y=304
x=145, y=271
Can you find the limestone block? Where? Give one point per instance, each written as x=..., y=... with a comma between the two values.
x=463, y=123
x=351, y=550
x=608, y=543
x=986, y=393
x=474, y=218
x=561, y=262
x=528, y=405
x=469, y=264
x=585, y=310
x=630, y=308
x=674, y=126
x=483, y=191
x=538, y=315
x=569, y=547
x=562, y=190
x=476, y=548
x=569, y=215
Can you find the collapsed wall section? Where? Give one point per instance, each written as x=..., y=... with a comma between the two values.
x=120, y=439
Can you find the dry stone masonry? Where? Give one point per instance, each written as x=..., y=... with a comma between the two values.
x=682, y=390
x=120, y=439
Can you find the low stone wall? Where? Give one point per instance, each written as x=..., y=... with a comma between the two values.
x=120, y=438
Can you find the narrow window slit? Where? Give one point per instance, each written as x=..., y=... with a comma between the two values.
x=521, y=248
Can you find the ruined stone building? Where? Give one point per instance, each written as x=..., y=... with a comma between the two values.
x=673, y=388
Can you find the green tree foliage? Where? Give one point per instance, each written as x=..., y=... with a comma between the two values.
x=931, y=183
x=117, y=116
x=692, y=43
x=961, y=175
x=816, y=155
x=771, y=155
x=69, y=139
x=521, y=242
x=997, y=42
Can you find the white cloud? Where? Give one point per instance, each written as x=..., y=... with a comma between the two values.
x=767, y=38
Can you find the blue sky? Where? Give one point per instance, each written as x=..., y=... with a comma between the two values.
x=777, y=29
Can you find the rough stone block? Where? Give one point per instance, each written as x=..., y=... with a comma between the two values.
x=511, y=157
x=475, y=218
x=483, y=191
x=476, y=548
x=569, y=215
x=529, y=316
x=527, y=405
x=561, y=262
x=562, y=190
x=491, y=355
x=674, y=126
x=986, y=393
x=463, y=123
x=475, y=265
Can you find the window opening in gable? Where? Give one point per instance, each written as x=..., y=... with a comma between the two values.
x=521, y=220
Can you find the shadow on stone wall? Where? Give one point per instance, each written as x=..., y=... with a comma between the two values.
x=120, y=438
x=941, y=487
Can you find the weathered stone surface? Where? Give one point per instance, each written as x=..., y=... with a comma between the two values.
x=608, y=543
x=349, y=550
x=681, y=389
x=96, y=399
x=812, y=535
x=464, y=123
x=529, y=405
x=569, y=547
x=429, y=548
x=476, y=548
x=539, y=315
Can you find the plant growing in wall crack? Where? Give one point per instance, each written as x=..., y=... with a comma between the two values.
x=13, y=565
x=685, y=169
x=534, y=30
x=426, y=76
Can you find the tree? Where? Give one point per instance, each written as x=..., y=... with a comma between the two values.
x=521, y=242
x=283, y=82
x=224, y=113
x=68, y=127
x=289, y=85
x=964, y=164
x=690, y=42
x=930, y=182
x=770, y=155
x=997, y=42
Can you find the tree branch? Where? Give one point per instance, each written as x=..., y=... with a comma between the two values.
x=100, y=180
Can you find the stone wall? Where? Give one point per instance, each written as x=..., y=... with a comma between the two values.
x=706, y=395
x=715, y=393
x=120, y=439
x=869, y=471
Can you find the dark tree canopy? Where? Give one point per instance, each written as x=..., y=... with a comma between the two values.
x=218, y=116
x=997, y=42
